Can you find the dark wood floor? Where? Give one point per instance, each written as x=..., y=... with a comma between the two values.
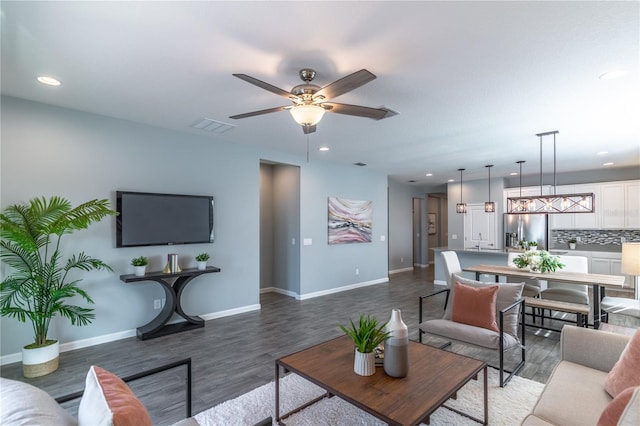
x=235, y=354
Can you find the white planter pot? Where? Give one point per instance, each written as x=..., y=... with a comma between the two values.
x=572, y=246
x=40, y=361
x=533, y=248
x=202, y=265
x=364, y=364
x=140, y=270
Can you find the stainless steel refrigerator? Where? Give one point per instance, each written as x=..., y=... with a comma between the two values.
x=528, y=227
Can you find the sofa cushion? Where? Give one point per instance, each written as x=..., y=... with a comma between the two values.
x=475, y=306
x=626, y=372
x=23, y=404
x=508, y=293
x=107, y=400
x=573, y=395
x=621, y=405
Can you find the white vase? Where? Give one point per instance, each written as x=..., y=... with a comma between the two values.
x=533, y=248
x=364, y=364
x=40, y=361
x=140, y=270
x=572, y=246
x=202, y=265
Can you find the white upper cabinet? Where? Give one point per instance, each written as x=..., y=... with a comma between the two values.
x=480, y=228
x=632, y=206
x=616, y=206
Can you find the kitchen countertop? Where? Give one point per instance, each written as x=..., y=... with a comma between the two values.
x=556, y=248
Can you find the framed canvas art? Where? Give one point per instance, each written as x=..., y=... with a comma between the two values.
x=349, y=221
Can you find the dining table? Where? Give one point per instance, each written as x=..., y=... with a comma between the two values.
x=599, y=282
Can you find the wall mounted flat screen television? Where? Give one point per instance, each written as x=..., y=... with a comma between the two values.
x=149, y=219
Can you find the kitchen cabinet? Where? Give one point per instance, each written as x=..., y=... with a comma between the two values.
x=632, y=204
x=612, y=205
x=588, y=220
x=480, y=227
x=610, y=264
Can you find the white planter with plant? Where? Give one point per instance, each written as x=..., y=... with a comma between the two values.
x=202, y=261
x=366, y=336
x=37, y=286
x=140, y=265
x=572, y=244
x=532, y=245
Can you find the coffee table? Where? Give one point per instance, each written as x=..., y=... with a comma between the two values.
x=434, y=377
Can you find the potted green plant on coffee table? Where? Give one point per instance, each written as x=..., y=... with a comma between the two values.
x=366, y=336
x=40, y=282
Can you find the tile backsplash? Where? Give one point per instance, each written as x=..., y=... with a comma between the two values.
x=595, y=236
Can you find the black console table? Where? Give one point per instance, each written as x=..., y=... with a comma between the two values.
x=158, y=326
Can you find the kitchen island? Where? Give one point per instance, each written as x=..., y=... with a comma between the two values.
x=468, y=257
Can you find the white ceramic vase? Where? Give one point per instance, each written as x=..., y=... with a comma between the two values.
x=40, y=361
x=202, y=265
x=364, y=364
x=396, y=347
x=140, y=270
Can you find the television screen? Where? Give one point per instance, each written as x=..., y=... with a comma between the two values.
x=147, y=219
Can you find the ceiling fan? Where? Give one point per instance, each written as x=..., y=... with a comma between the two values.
x=310, y=101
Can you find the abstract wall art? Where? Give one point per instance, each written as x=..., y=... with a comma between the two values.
x=350, y=221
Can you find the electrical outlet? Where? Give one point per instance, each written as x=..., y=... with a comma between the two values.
x=357, y=271
x=579, y=239
x=623, y=240
x=157, y=304
x=402, y=260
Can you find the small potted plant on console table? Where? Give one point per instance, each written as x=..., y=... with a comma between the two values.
x=366, y=336
x=202, y=261
x=140, y=263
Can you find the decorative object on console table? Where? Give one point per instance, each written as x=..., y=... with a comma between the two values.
x=36, y=285
x=158, y=326
x=366, y=336
x=202, y=261
x=172, y=264
x=396, y=346
x=140, y=265
x=572, y=243
x=539, y=261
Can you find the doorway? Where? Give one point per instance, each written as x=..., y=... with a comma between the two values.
x=280, y=228
x=437, y=223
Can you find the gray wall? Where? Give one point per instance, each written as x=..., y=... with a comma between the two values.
x=266, y=225
x=54, y=151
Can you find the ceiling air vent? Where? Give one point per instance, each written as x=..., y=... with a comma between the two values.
x=210, y=125
x=359, y=164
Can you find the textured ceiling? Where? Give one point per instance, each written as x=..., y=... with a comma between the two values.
x=473, y=82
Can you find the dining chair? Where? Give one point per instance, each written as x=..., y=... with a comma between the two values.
x=620, y=306
x=452, y=266
x=565, y=292
x=532, y=288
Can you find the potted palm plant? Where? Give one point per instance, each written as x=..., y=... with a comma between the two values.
x=38, y=286
x=366, y=336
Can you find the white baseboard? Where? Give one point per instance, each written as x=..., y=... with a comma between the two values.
x=397, y=271
x=92, y=341
x=421, y=265
x=279, y=291
x=440, y=282
x=341, y=289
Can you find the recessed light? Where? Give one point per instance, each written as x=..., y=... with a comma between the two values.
x=602, y=152
x=610, y=75
x=513, y=173
x=608, y=164
x=429, y=174
x=323, y=148
x=50, y=81
x=451, y=180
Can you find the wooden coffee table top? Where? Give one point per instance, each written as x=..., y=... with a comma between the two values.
x=434, y=376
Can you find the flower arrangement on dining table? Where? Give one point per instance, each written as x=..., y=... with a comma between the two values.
x=538, y=261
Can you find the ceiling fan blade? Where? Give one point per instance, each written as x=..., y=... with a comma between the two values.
x=345, y=84
x=308, y=129
x=266, y=86
x=262, y=111
x=357, y=110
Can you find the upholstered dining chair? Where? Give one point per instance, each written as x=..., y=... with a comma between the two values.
x=572, y=293
x=620, y=306
x=481, y=314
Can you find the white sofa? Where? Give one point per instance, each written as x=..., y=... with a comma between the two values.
x=575, y=394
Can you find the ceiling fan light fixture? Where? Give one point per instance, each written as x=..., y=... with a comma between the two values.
x=307, y=115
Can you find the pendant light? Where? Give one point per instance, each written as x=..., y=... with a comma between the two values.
x=489, y=206
x=461, y=207
x=550, y=204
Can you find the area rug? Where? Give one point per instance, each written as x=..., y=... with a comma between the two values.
x=507, y=406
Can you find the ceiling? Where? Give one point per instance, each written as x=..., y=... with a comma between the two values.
x=473, y=82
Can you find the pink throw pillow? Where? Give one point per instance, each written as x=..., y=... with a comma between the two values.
x=616, y=408
x=475, y=306
x=626, y=372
